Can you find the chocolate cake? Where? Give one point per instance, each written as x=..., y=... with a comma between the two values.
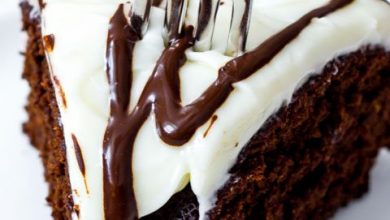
x=207, y=109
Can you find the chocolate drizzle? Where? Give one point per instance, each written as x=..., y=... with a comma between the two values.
x=176, y=124
x=79, y=154
x=80, y=159
x=212, y=121
x=119, y=201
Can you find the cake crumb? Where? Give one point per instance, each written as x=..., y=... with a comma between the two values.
x=61, y=91
x=49, y=41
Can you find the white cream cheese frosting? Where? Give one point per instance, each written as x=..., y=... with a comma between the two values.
x=77, y=62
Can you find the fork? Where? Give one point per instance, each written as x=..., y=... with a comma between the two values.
x=138, y=12
x=220, y=25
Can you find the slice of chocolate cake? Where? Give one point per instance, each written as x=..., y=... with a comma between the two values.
x=207, y=109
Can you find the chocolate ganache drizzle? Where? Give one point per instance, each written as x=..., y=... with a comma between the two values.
x=176, y=124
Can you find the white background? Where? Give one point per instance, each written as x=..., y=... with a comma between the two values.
x=22, y=188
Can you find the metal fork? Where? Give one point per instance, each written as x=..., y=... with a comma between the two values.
x=220, y=25
x=138, y=12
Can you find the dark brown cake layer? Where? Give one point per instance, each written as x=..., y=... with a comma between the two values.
x=44, y=126
x=315, y=155
x=312, y=157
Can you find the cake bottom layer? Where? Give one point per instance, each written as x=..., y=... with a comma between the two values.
x=310, y=158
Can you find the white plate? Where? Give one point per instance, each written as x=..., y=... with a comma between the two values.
x=22, y=188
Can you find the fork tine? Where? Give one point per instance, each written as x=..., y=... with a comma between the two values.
x=208, y=18
x=239, y=27
x=137, y=13
x=222, y=26
x=174, y=18
x=159, y=3
x=206, y=23
x=192, y=16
